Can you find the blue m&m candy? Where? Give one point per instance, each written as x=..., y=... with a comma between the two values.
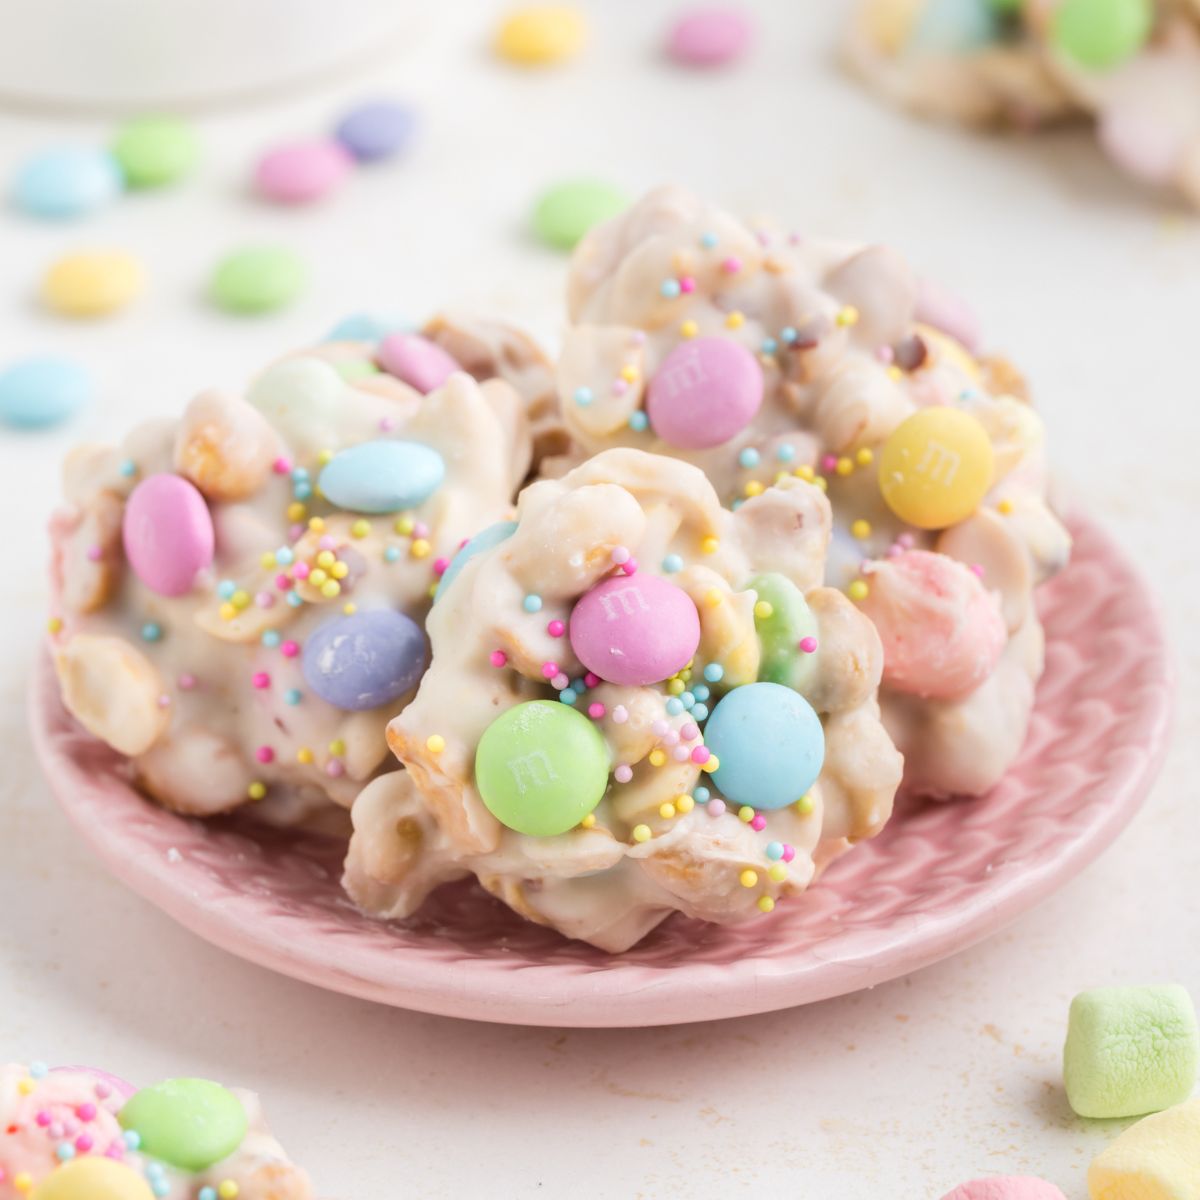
x=769, y=742
x=67, y=182
x=382, y=476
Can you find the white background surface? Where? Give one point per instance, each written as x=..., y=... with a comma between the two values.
x=897, y=1094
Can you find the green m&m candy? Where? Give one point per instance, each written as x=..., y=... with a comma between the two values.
x=566, y=211
x=541, y=767
x=154, y=151
x=787, y=632
x=1102, y=34
x=257, y=280
x=189, y=1123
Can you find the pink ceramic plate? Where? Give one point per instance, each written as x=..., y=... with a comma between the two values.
x=939, y=878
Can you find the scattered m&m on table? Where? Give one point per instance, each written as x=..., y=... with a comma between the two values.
x=69, y=181
x=709, y=35
x=155, y=150
x=42, y=391
x=301, y=172
x=566, y=211
x=92, y=284
x=257, y=279
x=541, y=34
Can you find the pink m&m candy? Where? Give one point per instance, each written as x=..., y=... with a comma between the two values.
x=709, y=36
x=168, y=534
x=302, y=171
x=705, y=392
x=635, y=630
x=417, y=361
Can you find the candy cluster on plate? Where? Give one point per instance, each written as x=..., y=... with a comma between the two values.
x=1131, y=65
x=76, y=1133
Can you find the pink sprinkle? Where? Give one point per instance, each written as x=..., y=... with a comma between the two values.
x=701, y=754
x=687, y=283
x=386, y=424
x=115, y=1150
x=334, y=768
x=623, y=774
x=828, y=462
x=265, y=754
x=789, y=852
x=94, y=554
x=56, y=1129
x=559, y=682
x=731, y=265
x=300, y=570
x=186, y=682
x=164, y=701
x=794, y=239
x=689, y=731
x=808, y=645
x=261, y=679
x=619, y=387
x=620, y=554
x=439, y=566
x=463, y=543
x=764, y=238
x=638, y=337
x=325, y=542
x=550, y=669
x=295, y=532
x=679, y=753
x=83, y=1143
x=591, y=679
x=895, y=550
x=102, y=1090
x=978, y=569
x=86, y=1111
x=906, y=540
x=282, y=582
x=282, y=465
x=289, y=649
x=596, y=711
x=620, y=714
x=498, y=658
x=630, y=568
x=671, y=738
x=716, y=808
x=885, y=354
x=659, y=728
x=420, y=529
x=43, y=1118
x=556, y=629
x=264, y=600
x=758, y=823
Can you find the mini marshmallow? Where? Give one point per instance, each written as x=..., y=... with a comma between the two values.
x=1006, y=1187
x=1130, y=1050
x=1156, y=1159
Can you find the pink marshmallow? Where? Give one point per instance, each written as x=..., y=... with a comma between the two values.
x=1006, y=1187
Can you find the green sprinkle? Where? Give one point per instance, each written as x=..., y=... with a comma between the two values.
x=153, y=151
x=258, y=280
x=566, y=211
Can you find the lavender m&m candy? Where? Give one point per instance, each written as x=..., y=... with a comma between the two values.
x=417, y=361
x=376, y=130
x=704, y=392
x=709, y=36
x=635, y=629
x=301, y=172
x=364, y=660
x=168, y=534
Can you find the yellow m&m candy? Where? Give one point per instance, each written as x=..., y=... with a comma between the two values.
x=936, y=467
x=93, y=1178
x=92, y=284
x=541, y=34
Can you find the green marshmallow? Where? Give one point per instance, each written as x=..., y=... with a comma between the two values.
x=258, y=280
x=154, y=151
x=1130, y=1050
x=541, y=767
x=779, y=634
x=565, y=212
x=189, y=1123
x=1102, y=34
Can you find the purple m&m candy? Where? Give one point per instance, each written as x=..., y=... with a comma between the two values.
x=168, y=534
x=364, y=660
x=377, y=130
x=302, y=171
x=709, y=36
x=705, y=392
x=417, y=361
x=635, y=629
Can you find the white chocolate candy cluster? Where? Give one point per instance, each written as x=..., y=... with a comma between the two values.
x=1133, y=68
x=194, y=564
x=842, y=341
x=657, y=837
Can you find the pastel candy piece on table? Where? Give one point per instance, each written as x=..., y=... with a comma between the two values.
x=167, y=532
x=67, y=182
x=377, y=130
x=382, y=476
x=540, y=35
x=787, y=632
x=1156, y=1159
x=566, y=211
x=704, y=392
x=302, y=172
x=635, y=630
x=541, y=767
x=709, y=35
x=93, y=1177
x=42, y=391
x=362, y=327
x=92, y=284
x=417, y=361
x=364, y=660
x=1101, y=34
x=948, y=312
x=258, y=279
x=936, y=467
x=1006, y=1187
x=942, y=632
x=1130, y=1050
x=154, y=151
x=486, y=539
x=189, y=1123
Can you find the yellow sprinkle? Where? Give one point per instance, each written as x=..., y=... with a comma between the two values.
x=746, y=814
x=350, y=608
x=26, y=1086
x=748, y=878
x=339, y=570
x=684, y=803
x=541, y=34
x=753, y=488
x=710, y=544
x=895, y=373
x=713, y=764
x=713, y=597
x=337, y=747
x=257, y=790
x=331, y=588
x=806, y=473
x=630, y=373
x=778, y=873
x=588, y=822
x=822, y=483
x=685, y=674
x=861, y=529
x=23, y=1182
x=296, y=511
x=1005, y=507
x=317, y=577
x=317, y=524
x=240, y=599
x=326, y=559
x=780, y=476
x=657, y=758
x=227, y=611
x=735, y=320
x=420, y=548
x=268, y=560
x=435, y=743
x=228, y=1189
x=323, y=456
x=848, y=316
x=763, y=609
x=404, y=526
x=675, y=687
x=304, y=755
x=865, y=457
x=689, y=329
x=54, y=625
x=641, y=833
x=360, y=528
x=858, y=590
x=666, y=811
x=766, y=904
x=92, y=284
x=845, y=466
x=805, y=805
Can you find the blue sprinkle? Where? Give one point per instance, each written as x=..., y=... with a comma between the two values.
x=786, y=452
x=391, y=554
x=669, y=288
x=714, y=672
x=748, y=457
x=160, y=1187
x=687, y=699
x=302, y=491
x=708, y=240
x=293, y=695
x=127, y=467
x=775, y=851
x=788, y=335
x=284, y=556
x=294, y=598
x=769, y=345
x=151, y=632
x=674, y=706
x=226, y=588
x=638, y=421
x=299, y=474
x=532, y=603
x=700, y=712
x=701, y=692
x=38, y=1070
x=672, y=563
x=155, y=1169
x=584, y=396
x=270, y=639
x=701, y=795
x=568, y=696
x=207, y=1193
x=736, y=504
x=579, y=686
x=132, y=1139
x=65, y=1151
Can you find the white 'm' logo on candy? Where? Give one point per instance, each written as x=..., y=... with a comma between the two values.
x=531, y=770
x=685, y=372
x=630, y=598
x=939, y=462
